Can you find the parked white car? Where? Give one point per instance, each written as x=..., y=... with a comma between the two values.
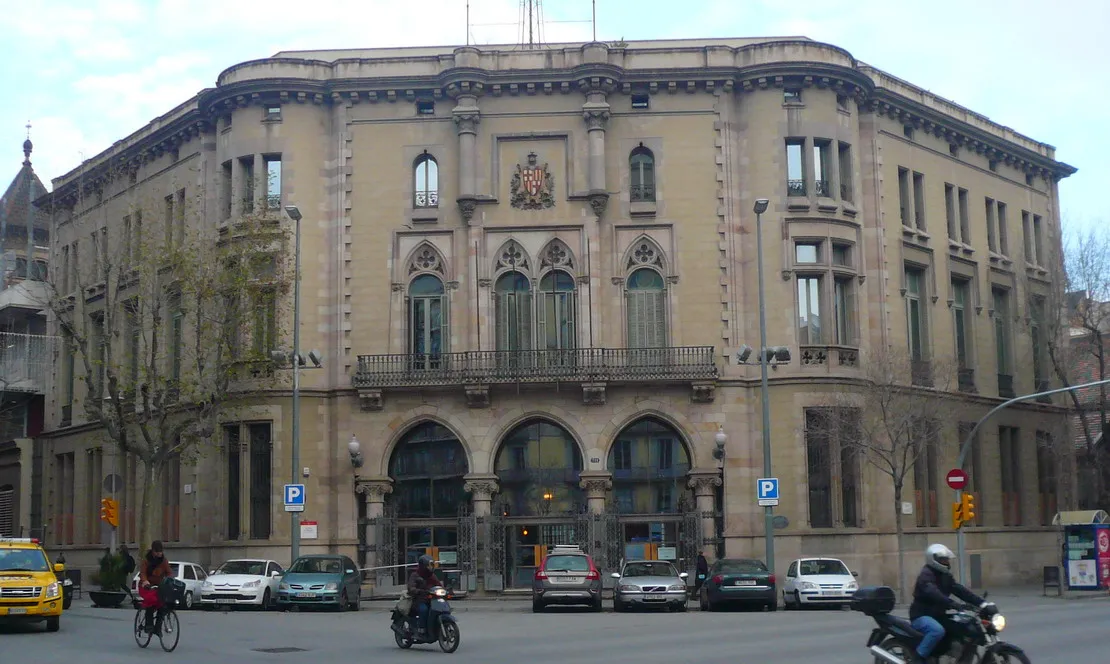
x=246, y=581
x=818, y=581
x=191, y=574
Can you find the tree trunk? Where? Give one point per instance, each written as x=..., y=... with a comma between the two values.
x=146, y=506
x=900, y=535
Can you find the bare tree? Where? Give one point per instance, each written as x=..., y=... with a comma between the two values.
x=889, y=424
x=156, y=312
x=1076, y=322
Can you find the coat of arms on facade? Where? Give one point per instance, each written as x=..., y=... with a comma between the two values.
x=533, y=187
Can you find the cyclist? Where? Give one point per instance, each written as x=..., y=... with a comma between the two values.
x=152, y=572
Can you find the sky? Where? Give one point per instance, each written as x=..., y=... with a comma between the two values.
x=87, y=73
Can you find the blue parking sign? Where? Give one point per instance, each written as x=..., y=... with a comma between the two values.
x=767, y=491
x=294, y=497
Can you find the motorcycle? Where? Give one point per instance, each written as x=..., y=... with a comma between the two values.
x=971, y=633
x=442, y=627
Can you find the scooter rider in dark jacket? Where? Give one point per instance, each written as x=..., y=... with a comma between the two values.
x=420, y=581
x=931, y=598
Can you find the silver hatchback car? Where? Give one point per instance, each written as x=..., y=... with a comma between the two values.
x=645, y=583
x=566, y=576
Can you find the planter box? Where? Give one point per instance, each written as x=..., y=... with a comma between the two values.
x=107, y=600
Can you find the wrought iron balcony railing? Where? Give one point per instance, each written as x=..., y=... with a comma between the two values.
x=795, y=187
x=537, y=366
x=25, y=361
x=642, y=193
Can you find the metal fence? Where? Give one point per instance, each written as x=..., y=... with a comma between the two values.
x=25, y=361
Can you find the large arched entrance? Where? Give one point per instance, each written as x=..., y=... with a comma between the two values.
x=538, y=467
x=650, y=464
x=427, y=468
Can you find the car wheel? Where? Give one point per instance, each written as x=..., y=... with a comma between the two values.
x=53, y=623
x=187, y=603
x=344, y=603
x=797, y=600
x=267, y=601
x=537, y=607
x=596, y=605
x=773, y=605
x=358, y=601
x=703, y=604
x=681, y=608
x=618, y=606
x=713, y=606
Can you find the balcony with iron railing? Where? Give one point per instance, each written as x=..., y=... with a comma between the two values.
x=25, y=361
x=796, y=188
x=593, y=368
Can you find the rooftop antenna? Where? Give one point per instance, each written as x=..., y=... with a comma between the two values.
x=593, y=7
x=468, y=22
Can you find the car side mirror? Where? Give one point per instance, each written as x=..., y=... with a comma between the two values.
x=59, y=568
x=275, y=574
x=683, y=575
x=615, y=575
x=855, y=574
x=350, y=571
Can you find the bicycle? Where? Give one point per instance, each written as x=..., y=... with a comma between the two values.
x=166, y=624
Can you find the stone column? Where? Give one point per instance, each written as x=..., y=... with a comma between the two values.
x=704, y=484
x=481, y=489
x=595, y=483
x=596, y=114
x=374, y=490
x=467, y=116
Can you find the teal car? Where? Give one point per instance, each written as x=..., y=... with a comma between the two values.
x=323, y=580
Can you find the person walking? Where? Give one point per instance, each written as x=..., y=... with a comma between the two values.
x=700, y=573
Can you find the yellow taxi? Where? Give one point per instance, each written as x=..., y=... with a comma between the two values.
x=29, y=587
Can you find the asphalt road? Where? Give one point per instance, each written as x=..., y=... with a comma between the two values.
x=1050, y=630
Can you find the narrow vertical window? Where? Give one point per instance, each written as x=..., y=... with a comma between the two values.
x=819, y=467
x=1001, y=304
x=843, y=296
x=1009, y=450
x=844, y=154
x=232, y=450
x=179, y=219
x=246, y=184
x=557, y=311
x=273, y=181
x=1003, y=231
x=960, y=323
x=261, y=469
x=427, y=311
x=919, y=200
x=904, y=196
x=1046, y=478
x=950, y=212
x=965, y=216
x=795, y=167
x=646, y=309
x=1027, y=236
x=641, y=168
x=426, y=182
x=809, y=310
x=225, y=190
x=1038, y=241
x=175, y=341
x=992, y=230
x=821, y=168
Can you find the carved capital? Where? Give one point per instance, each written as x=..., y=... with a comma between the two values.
x=598, y=202
x=375, y=489
x=477, y=396
x=370, y=399
x=397, y=287
x=467, y=206
x=466, y=120
x=593, y=394
x=703, y=483
x=480, y=488
x=485, y=283
x=703, y=392
x=595, y=486
x=596, y=117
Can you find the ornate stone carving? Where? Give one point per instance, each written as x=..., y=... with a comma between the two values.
x=485, y=283
x=477, y=396
x=557, y=254
x=481, y=488
x=595, y=117
x=513, y=257
x=467, y=120
x=598, y=203
x=703, y=392
x=375, y=490
x=467, y=206
x=426, y=259
x=370, y=400
x=532, y=187
x=593, y=394
x=595, y=486
x=644, y=253
x=397, y=287
x=703, y=484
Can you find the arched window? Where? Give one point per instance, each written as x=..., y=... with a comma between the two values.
x=7, y=511
x=641, y=166
x=646, y=309
x=649, y=464
x=427, y=320
x=538, y=468
x=427, y=468
x=426, y=182
x=556, y=313
x=513, y=311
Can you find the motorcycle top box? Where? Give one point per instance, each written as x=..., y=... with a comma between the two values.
x=873, y=600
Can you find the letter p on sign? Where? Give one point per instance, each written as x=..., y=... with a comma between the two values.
x=767, y=491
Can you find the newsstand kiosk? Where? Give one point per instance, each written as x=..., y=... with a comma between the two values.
x=1085, y=549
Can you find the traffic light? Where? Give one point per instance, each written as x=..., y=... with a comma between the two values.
x=963, y=511
x=956, y=516
x=109, y=512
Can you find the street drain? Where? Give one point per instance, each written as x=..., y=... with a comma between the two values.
x=278, y=651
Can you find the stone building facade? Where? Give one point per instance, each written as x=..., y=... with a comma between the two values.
x=529, y=272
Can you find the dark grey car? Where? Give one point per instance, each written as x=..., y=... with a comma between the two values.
x=644, y=583
x=566, y=576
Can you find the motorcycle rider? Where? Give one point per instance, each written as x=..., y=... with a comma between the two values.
x=420, y=581
x=931, y=598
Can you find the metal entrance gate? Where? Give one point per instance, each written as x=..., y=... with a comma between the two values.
x=383, y=552
x=467, y=562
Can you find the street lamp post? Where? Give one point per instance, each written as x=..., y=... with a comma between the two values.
x=720, y=438
x=295, y=517
x=768, y=512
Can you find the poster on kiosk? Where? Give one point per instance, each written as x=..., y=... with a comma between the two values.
x=1087, y=556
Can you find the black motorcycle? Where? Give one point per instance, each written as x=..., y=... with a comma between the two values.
x=971, y=633
x=442, y=627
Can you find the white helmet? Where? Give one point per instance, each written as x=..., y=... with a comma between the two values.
x=939, y=557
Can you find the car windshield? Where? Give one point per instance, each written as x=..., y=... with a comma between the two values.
x=566, y=564
x=23, y=560
x=650, y=569
x=741, y=566
x=317, y=566
x=248, y=567
x=815, y=567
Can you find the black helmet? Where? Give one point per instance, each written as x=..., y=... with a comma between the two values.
x=425, y=562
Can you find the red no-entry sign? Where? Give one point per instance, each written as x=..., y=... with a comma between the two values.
x=956, y=478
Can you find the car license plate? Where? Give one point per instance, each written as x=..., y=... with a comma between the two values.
x=830, y=592
x=656, y=598
x=745, y=582
x=231, y=601
x=16, y=612
x=305, y=595
x=568, y=579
